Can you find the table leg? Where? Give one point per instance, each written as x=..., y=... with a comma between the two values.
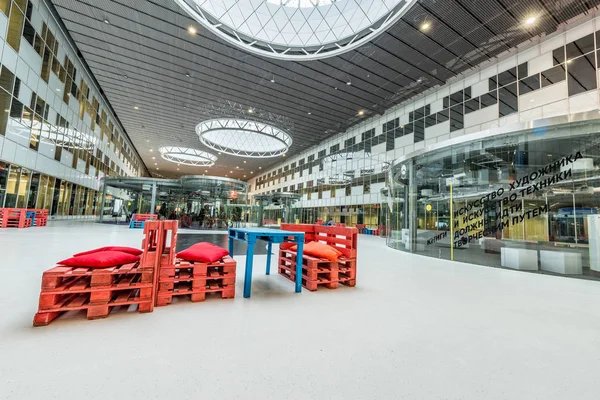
x=248, y=275
x=299, y=267
x=230, y=245
x=269, y=248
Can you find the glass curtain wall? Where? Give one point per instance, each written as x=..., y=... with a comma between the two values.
x=523, y=196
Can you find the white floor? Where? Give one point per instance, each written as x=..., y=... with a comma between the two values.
x=413, y=328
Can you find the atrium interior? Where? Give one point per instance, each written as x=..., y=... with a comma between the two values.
x=353, y=199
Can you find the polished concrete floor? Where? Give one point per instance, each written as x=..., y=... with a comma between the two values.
x=413, y=328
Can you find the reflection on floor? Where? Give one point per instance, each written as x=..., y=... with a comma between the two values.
x=412, y=328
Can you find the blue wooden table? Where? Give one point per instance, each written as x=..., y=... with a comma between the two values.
x=251, y=235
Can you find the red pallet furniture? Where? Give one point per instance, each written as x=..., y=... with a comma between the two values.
x=322, y=272
x=138, y=220
x=41, y=216
x=14, y=218
x=96, y=290
x=177, y=277
x=99, y=290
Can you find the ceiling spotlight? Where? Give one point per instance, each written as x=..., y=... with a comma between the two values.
x=156, y=167
x=283, y=155
x=251, y=172
x=155, y=163
x=349, y=83
x=219, y=153
x=309, y=113
x=184, y=107
x=187, y=75
x=154, y=158
x=250, y=111
x=231, y=172
x=419, y=80
x=107, y=22
x=151, y=150
x=237, y=167
x=529, y=20
x=136, y=108
x=273, y=79
x=244, y=161
x=244, y=176
x=125, y=77
x=361, y=112
x=147, y=140
x=259, y=167
x=425, y=26
x=205, y=170
x=192, y=30
x=335, y=88
x=58, y=90
x=177, y=169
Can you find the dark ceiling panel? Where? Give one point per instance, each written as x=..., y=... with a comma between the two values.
x=147, y=41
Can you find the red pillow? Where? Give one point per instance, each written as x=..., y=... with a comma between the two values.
x=128, y=250
x=320, y=250
x=337, y=251
x=287, y=245
x=203, y=252
x=100, y=259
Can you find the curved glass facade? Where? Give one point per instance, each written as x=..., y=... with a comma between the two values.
x=528, y=200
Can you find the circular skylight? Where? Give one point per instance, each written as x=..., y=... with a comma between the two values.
x=240, y=137
x=185, y=156
x=297, y=29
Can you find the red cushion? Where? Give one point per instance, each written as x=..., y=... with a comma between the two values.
x=101, y=259
x=129, y=250
x=318, y=249
x=203, y=252
x=337, y=251
x=286, y=245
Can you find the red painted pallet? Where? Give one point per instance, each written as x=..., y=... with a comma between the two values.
x=328, y=274
x=225, y=265
x=14, y=218
x=41, y=216
x=344, y=239
x=60, y=277
x=197, y=293
x=81, y=301
x=144, y=217
x=311, y=285
x=308, y=229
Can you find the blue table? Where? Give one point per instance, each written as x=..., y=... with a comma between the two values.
x=251, y=235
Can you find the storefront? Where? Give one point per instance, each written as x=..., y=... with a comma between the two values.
x=519, y=200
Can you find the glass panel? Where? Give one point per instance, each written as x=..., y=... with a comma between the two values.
x=529, y=84
x=509, y=102
x=7, y=79
x=5, y=100
x=582, y=74
x=3, y=181
x=15, y=27
x=506, y=77
x=580, y=46
x=12, y=188
x=34, y=187
x=23, y=192
x=553, y=75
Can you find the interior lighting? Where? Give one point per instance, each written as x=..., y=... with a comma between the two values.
x=268, y=35
x=186, y=156
x=58, y=90
x=192, y=30
x=530, y=20
x=309, y=113
x=125, y=77
x=361, y=112
x=250, y=111
x=151, y=150
x=425, y=26
x=244, y=161
x=136, y=108
x=237, y=167
x=273, y=79
x=349, y=83
x=106, y=21
x=187, y=75
x=154, y=158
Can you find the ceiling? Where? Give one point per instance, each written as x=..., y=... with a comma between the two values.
x=142, y=58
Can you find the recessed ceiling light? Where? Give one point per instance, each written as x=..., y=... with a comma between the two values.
x=154, y=158
x=309, y=113
x=205, y=170
x=136, y=108
x=259, y=167
x=188, y=75
x=237, y=167
x=184, y=106
x=147, y=140
x=244, y=161
x=349, y=83
x=250, y=111
x=151, y=150
x=569, y=61
x=177, y=169
x=425, y=26
x=125, y=77
x=106, y=21
x=244, y=176
x=335, y=88
x=251, y=172
x=361, y=112
x=58, y=90
x=283, y=155
x=231, y=172
x=225, y=176
x=219, y=153
x=530, y=20
x=192, y=30
x=156, y=167
x=419, y=80
x=155, y=163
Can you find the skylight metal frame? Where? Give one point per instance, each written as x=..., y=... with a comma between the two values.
x=173, y=154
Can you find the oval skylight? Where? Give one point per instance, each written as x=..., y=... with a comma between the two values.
x=297, y=29
x=185, y=156
x=240, y=137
